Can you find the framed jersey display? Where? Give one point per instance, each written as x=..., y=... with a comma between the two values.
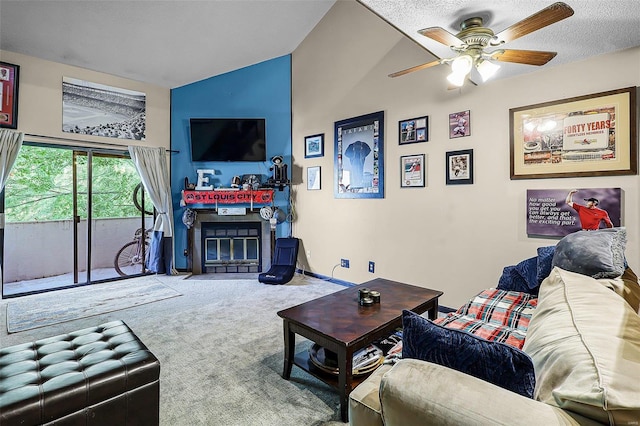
x=359, y=157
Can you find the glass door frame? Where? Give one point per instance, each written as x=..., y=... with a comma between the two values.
x=76, y=219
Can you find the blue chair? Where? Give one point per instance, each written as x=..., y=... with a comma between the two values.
x=283, y=266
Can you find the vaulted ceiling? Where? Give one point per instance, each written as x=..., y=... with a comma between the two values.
x=173, y=43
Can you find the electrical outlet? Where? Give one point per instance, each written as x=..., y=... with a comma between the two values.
x=372, y=266
x=344, y=263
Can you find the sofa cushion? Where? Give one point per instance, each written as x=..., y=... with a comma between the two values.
x=598, y=254
x=584, y=341
x=627, y=286
x=495, y=362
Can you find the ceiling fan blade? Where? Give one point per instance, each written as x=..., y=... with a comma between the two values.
x=547, y=16
x=528, y=57
x=416, y=68
x=442, y=36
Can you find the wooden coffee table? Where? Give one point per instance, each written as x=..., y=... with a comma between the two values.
x=338, y=323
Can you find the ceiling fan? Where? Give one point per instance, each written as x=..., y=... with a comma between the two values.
x=471, y=43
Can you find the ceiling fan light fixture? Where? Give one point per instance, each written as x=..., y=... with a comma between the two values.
x=487, y=69
x=462, y=65
x=456, y=79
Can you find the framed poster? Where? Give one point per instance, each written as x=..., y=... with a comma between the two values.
x=314, y=146
x=459, y=167
x=100, y=110
x=460, y=124
x=313, y=178
x=412, y=171
x=9, y=79
x=413, y=130
x=591, y=135
x=559, y=212
x=359, y=157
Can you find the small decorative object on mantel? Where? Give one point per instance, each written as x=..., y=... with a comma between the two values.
x=279, y=178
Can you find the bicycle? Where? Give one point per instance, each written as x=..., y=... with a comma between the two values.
x=131, y=258
x=137, y=199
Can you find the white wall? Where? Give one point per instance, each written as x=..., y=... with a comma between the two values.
x=40, y=100
x=453, y=238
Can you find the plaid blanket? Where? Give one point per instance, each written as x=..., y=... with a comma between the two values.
x=494, y=314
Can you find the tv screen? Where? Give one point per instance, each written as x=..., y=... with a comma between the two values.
x=228, y=139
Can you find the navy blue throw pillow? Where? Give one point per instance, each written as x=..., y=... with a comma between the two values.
x=511, y=280
x=494, y=362
x=545, y=258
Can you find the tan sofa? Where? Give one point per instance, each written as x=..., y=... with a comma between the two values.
x=584, y=341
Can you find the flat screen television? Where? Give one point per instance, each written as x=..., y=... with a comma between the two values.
x=228, y=139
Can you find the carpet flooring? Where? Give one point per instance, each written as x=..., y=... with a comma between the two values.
x=41, y=310
x=220, y=347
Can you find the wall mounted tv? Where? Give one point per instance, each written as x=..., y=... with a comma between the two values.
x=228, y=139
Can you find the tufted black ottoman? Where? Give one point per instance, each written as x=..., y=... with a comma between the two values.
x=101, y=375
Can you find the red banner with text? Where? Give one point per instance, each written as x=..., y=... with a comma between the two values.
x=260, y=196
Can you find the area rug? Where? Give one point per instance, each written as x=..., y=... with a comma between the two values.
x=41, y=310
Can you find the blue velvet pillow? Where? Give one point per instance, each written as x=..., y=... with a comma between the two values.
x=598, y=254
x=545, y=258
x=511, y=280
x=494, y=362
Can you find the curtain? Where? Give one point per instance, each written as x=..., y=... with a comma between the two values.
x=151, y=164
x=10, y=143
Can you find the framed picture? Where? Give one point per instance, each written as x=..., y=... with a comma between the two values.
x=412, y=171
x=114, y=112
x=413, y=130
x=592, y=135
x=460, y=124
x=313, y=178
x=359, y=157
x=459, y=167
x=314, y=146
x=560, y=212
x=9, y=78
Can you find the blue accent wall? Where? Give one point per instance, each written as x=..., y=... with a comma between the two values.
x=258, y=91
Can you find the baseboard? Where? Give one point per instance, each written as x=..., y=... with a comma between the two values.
x=325, y=278
x=443, y=309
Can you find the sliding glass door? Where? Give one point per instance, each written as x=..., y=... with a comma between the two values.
x=68, y=214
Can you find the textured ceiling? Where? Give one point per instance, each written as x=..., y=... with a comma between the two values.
x=172, y=43
x=595, y=28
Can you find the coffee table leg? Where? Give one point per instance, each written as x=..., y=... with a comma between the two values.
x=345, y=379
x=433, y=312
x=289, y=348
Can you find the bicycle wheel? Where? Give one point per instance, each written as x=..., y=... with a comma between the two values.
x=128, y=260
x=137, y=199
